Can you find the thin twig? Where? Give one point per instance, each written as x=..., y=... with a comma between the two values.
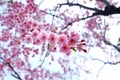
x=79, y=5
x=51, y=14
x=16, y=75
x=40, y=2
x=105, y=62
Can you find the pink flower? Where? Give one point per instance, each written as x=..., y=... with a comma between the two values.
x=5, y=35
x=75, y=35
x=1, y=66
x=65, y=49
x=73, y=39
x=15, y=41
x=37, y=41
x=1, y=2
x=28, y=39
x=62, y=39
x=91, y=24
x=36, y=51
x=29, y=1
x=27, y=25
x=81, y=45
x=43, y=36
x=52, y=38
x=35, y=24
x=100, y=4
x=35, y=34
x=22, y=31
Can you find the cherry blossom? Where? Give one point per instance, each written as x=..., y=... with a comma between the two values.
x=36, y=41
x=26, y=25
x=62, y=39
x=5, y=35
x=28, y=39
x=81, y=45
x=52, y=38
x=35, y=34
x=91, y=24
x=15, y=41
x=73, y=39
x=1, y=67
x=43, y=36
x=65, y=48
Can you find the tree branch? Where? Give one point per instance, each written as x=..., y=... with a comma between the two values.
x=79, y=5
x=15, y=75
x=71, y=23
x=111, y=63
x=51, y=14
x=109, y=10
x=110, y=44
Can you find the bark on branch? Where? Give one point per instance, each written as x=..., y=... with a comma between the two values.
x=109, y=9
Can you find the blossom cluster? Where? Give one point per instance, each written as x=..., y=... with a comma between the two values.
x=21, y=17
x=25, y=24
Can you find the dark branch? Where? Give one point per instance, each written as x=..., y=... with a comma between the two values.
x=111, y=63
x=79, y=5
x=69, y=24
x=109, y=43
x=15, y=75
x=88, y=16
x=109, y=10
